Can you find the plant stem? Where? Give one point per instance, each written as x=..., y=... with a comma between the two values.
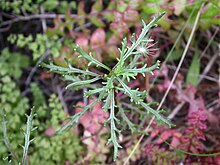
x=29, y=128
x=6, y=140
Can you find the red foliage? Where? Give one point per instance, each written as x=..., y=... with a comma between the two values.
x=189, y=141
x=98, y=38
x=193, y=134
x=92, y=120
x=160, y=155
x=197, y=120
x=165, y=135
x=82, y=40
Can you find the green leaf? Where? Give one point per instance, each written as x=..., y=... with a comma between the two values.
x=151, y=9
x=12, y=63
x=114, y=130
x=144, y=69
x=91, y=59
x=194, y=70
x=28, y=140
x=75, y=118
x=156, y=113
x=96, y=21
x=164, y=23
x=55, y=52
x=78, y=83
x=92, y=92
x=125, y=118
x=210, y=12
x=63, y=70
x=176, y=55
x=215, y=21
x=107, y=102
x=143, y=34
x=50, y=4
x=129, y=92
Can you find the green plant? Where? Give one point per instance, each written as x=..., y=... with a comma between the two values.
x=46, y=149
x=56, y=150
x=11, y=100
x=38, y=45
x=16, y=106
x=27, y=138
x=194, y=70
x=50, y=149
x=115, y=81
x=11, y=64
x=39, y=99
x=19, y=6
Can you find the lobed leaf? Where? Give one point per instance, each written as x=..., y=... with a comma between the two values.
x=85, y=82
x=112, y=119
x=63, y=70
x=129, y=92
x=91, y=59
x=93, y=91
x=75, y=118
x=107, y=102
x=143, y=34
x=144, y=69
x=125, y=118
x=156, y=113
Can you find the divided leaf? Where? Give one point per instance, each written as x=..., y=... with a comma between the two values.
x=75, y=118
x=116, y=80
x=91, y=59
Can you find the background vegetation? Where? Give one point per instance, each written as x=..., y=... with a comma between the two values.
x=188, y=37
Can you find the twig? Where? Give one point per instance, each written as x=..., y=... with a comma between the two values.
x=34, y=69
x=171, y=83
x=219, y=65
x=176, y=110
x=175, y=44
x=38, y=16
x=44, y=24
x=208, y=67
x=209, y=43
x=5, y=29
